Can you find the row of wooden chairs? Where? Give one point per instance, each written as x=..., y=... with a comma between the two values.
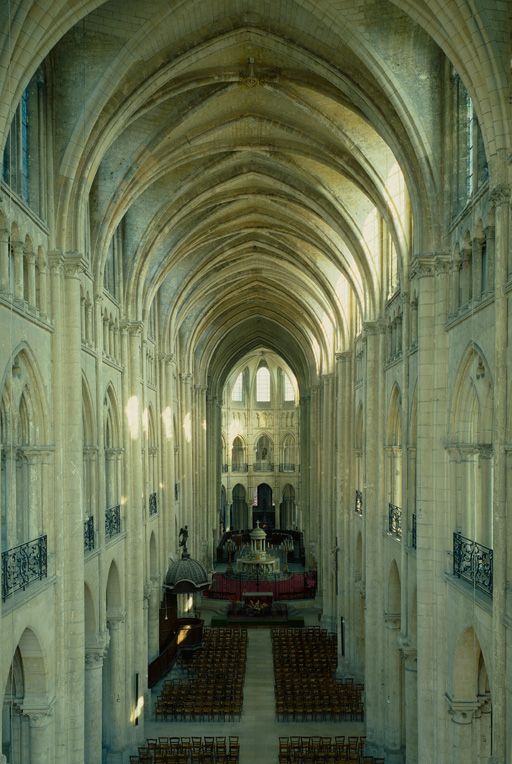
x=305, y=685
x=340, y=749
x=302, y=650
x=189, y=750
x=213, y=687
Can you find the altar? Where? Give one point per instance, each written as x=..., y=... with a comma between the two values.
x=258, y=562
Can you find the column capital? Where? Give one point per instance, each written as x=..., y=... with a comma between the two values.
x=373, y=328
x=56, y=260
x=466, y=452
x=392, y=621
x=186, y=377
x=343, y=355
x=500, y=195
x=430, y=264
x=39, y=713
x=95, y=651
x=134, y=328
x=74, y=264
x=114, y=620
x=37, y=454
x=94, y=658
x=462, y=711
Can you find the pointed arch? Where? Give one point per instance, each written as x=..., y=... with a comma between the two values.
x=394, y=591
x=112, y=437
x=239, y=454
x=358, y=558
x=471, y=456
x=88, y=418
x=288, y=452
x=35, y=670
x=153, y=557
x=22, y=376
x=394, y=419
x=468, y=666
x=288, y=513
x=472, y=406
x=112, y=450
x=24, y=425
x=113, y=595
x=90, y=620
x=264, y=448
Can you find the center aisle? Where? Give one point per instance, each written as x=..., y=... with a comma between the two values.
x=258, y=728
x=260, y=732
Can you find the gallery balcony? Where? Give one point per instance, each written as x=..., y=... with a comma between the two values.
x=473, y=563
x=112, y=522
x=395, y=521
x=23, y=565
x=89, y=541
x=263, y=467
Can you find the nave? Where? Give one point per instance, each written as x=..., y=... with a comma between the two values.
x=258, y=728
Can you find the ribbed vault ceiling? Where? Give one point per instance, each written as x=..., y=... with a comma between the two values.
x=245, y=148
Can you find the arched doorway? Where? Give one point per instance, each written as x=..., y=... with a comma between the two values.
x=288, y=518
x=113, y=668
x=265, y=510
x=239, y=520
x=27, y=716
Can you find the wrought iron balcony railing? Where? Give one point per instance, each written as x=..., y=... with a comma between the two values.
x=153, y=504
x=112, y=521
x=284, y=467
x=473, y=562
x=413, y=531
x=263, y=467
x=395, y=520
x=358, y=506
x=239, y=467
x=24, y=564
x=89, y=534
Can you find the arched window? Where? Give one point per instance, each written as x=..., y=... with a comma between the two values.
x=238, y=456
x=23, y=160
x=470, y=162
x=113, y=277
x=237, y=393
x=288, y=454
x=22, y=425
x=112, y=450
x=289, y=393
x=263, y=385
x=264, y=452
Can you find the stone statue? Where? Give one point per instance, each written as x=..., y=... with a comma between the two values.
x=182, y=538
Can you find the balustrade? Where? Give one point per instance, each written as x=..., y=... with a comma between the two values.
x=24, y=564
x=395, y=521
x=112, y=521
x=473, y=562
x=89, y=534
x=263, y=467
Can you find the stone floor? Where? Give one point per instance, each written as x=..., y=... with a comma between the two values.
x=258, y=728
